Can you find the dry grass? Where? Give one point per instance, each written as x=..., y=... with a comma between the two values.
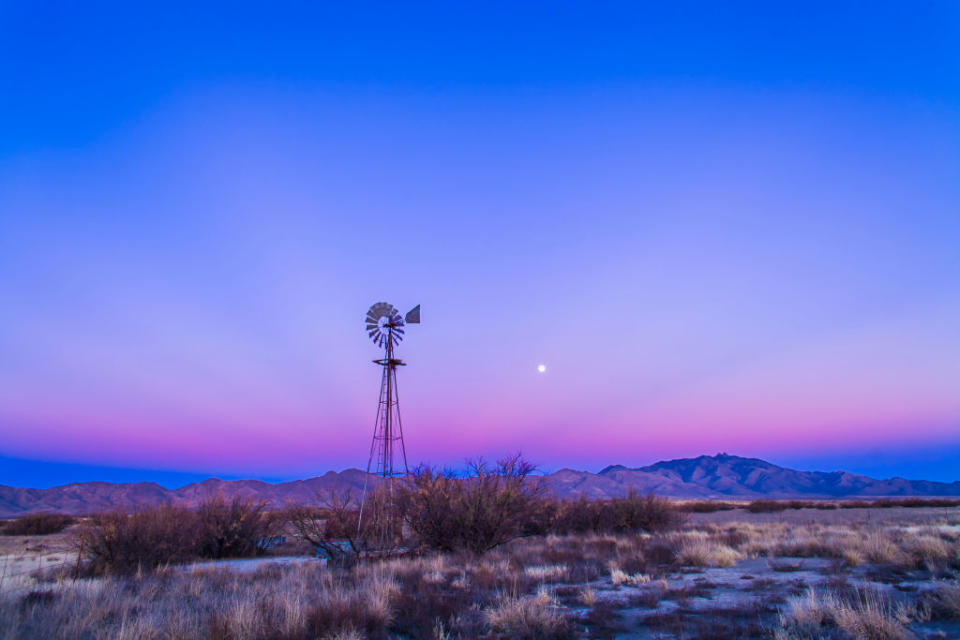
x=588, y=597
x=296, y=602
x=528, y=618
x=702, y=551
x=943, y=601
x=529, y=588
x=864, y=614
x=905, y=548
x=869, y=615
x=547, y=573
x=619, y=577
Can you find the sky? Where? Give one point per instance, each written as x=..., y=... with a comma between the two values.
x=719, y=226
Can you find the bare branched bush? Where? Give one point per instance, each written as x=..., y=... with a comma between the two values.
x=770, y=506
x=333, y=526
x=633, y=513
x=123, y=543
x=579, y=516
x=37, y=524
x=232, y=529
x=706, y=506
x=766, y=506
x=910, y=503
x=492, y=505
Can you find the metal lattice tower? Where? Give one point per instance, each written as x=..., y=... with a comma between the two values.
x=388, y=454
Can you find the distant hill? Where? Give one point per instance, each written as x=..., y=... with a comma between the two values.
x=705, y=477
x=726, y=476
x=90, y=497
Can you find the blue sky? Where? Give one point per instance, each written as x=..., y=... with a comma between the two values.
x=723, y=227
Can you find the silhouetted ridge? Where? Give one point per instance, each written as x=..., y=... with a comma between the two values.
x=703, y=477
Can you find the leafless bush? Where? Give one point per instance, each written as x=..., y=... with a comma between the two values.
x=706, y=506
x=766, y=506
x=332, y=527
x=632, y=513
x=579, y=516
x=232, y=529
x=123, y=543
x=494, y=504
x=888, y=503
x=37, y=524
x=769, y=506
x=635, y=513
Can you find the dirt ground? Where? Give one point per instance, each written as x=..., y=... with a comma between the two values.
x=20, y=556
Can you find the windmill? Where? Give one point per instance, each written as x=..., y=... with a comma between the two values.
x=388, y=455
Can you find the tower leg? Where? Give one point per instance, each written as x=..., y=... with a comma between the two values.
x=384, y=466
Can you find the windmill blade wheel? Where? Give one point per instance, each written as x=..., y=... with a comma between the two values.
x=381, y=318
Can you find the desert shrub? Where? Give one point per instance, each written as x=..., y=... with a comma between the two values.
x=123, y=543
x=578, y=516
x=37, y=524
x=661, y=550
x=492, y=505
x=910, y=503
x=707, y=506
x=766, y=506
x=856, y=504
x=231, y=529
x=339, y=527
x=770, y=506
x=633, y=513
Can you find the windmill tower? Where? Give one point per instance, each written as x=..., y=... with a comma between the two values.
x=388, y=455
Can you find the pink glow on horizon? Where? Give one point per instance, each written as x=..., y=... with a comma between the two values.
x=787, y=291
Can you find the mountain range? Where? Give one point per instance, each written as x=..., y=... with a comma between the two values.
x=706, y=477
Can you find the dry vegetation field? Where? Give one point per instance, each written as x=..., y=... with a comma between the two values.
x=646, y=568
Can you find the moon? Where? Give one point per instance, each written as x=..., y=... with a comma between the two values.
x=541, y=368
